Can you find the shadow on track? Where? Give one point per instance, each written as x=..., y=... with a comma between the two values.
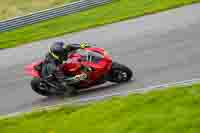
x=46, y=101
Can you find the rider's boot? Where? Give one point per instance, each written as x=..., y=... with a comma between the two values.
x=76, y=78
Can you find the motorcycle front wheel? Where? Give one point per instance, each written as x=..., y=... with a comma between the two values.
x=120, y=73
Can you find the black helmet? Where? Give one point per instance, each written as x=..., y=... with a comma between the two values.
x=57, y=50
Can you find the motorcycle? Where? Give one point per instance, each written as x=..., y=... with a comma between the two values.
x=95, y=62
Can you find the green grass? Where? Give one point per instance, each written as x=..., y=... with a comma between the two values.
x=116, y=11
x=13, y=8
x=175, y=110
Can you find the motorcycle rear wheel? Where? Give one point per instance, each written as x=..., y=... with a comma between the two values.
x=36, y=86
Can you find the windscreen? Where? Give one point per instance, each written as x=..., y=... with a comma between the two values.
x=90, y=56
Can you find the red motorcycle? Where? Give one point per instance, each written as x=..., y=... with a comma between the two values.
x=95, y=62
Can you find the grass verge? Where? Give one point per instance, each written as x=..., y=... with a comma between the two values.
x=165, y=111
x=116, y=11
x=13, y=8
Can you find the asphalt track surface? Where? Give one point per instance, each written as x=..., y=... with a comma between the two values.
x=160, y=48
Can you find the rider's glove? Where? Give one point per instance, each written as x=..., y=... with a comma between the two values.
x=84, y=45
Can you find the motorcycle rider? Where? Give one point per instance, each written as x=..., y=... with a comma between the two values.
x=57, y=54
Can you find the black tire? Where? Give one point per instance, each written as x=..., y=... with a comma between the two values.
x=117, y=70
x=35, y=85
